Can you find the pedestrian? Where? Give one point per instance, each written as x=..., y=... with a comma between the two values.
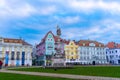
x=1, y=63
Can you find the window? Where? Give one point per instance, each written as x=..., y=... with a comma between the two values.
x=84, y=58
x=71, y=47
x=0, y=40
x=81, y=53
x=18, y=56
x=87, y=53
x=67, y=57
x=0, y=53
x=83, y=44
x=107, y=58
x=116, y=56
x=71, y=53
x=81, y=57
x=12, y=55
x=97, y=53
x=88, y=57
x=72, y=57
x=112, y=52
x=91, y=44
x=99, y=45
x=76, y=48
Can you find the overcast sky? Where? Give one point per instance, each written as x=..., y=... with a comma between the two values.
x=79, y=19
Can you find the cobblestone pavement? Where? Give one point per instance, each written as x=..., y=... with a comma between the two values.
x=60, y=75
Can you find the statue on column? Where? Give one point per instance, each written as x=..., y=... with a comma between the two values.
x=58, y=31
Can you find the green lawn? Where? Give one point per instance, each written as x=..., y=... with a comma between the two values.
x=107, y=71
x=8, y=76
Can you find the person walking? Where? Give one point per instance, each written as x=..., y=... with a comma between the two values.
x=1, y=63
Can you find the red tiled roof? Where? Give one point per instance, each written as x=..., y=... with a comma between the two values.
x=62, y=40
x=87, y=42
x=11, y=40
x=43, y=40
x=118, y=45
x=47, y=35
x=55, y=38
x=110, y=45
x=113, y=45
x=66, y=42
x=25, y=43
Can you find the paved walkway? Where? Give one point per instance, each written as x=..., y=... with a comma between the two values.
x=60, y=75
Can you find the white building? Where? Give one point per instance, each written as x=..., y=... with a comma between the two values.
x=92, y=52
x=15, y=52
x=113, y=53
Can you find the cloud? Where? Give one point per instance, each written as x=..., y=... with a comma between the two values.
x=47, y=10
x=67, y=19
x=36, y=18
x=104, y=31
x=21, y=9
x=92, y=5
x=70, y=20
x=15, y=9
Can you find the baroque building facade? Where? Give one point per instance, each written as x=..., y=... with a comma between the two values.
x=45, y=49
x=15, y=52
x=71, y=52
x=50, y=48
x=113, y=53
x=92, y=52
x=58, y=59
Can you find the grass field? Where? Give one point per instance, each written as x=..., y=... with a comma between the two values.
x=7, y=76
x=106, y=71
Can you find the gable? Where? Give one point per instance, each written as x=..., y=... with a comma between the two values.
x=71, y=43
x=49, y=38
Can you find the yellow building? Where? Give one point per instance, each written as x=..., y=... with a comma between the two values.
x=71, y=52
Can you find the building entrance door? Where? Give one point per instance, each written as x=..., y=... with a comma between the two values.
x=93, y=62
x=118, y=61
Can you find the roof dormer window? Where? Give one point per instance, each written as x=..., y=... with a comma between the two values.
x=83, y=44
x=91, y=44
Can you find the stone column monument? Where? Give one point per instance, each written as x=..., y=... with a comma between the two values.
x=58, y=59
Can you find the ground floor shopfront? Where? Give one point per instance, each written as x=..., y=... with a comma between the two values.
x=45, y=60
